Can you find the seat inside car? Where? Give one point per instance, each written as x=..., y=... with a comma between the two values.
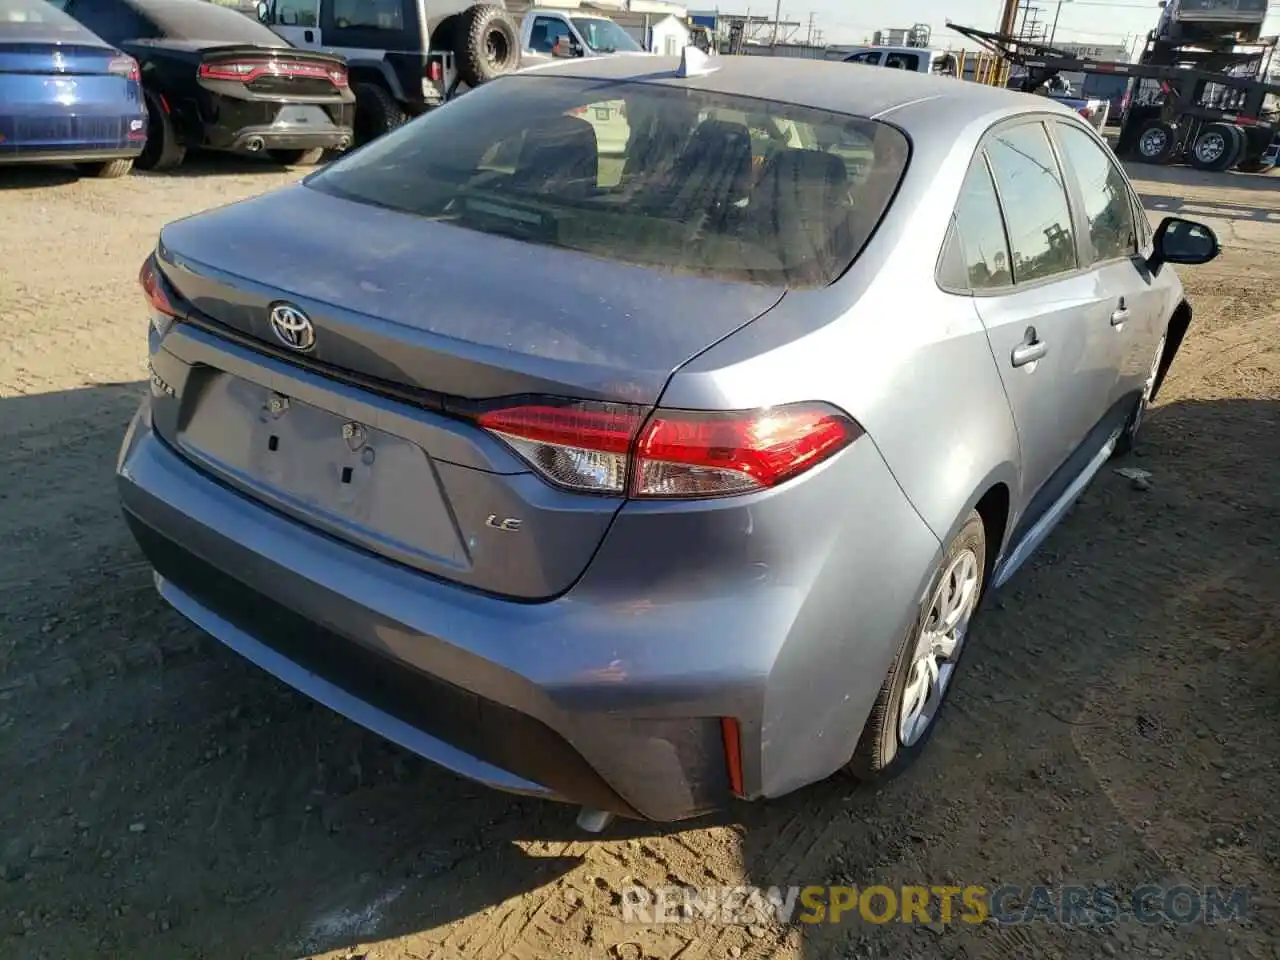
x=802, y=196
x=560, y=157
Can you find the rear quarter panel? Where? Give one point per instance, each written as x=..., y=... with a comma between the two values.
x=913, y=366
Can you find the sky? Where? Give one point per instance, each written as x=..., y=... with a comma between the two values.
x=853, y=21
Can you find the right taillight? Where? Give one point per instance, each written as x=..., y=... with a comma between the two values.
x=677, y=454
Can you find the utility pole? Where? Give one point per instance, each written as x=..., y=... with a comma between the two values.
x=809, y=41
x=1053, y=31
x=777, y=22
x=1008, y=16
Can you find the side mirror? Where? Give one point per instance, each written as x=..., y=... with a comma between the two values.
x=1182, y=241
x=264, y=11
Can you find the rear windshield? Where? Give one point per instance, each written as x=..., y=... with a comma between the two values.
x=200, y=20
x=677, y=179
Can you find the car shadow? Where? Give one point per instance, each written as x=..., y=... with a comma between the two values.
x=34, y=176
x=1222, y=209
x=165, y=798
x=1191, y=177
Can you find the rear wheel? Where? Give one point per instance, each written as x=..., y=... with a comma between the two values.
x=296, y=158
x=106, y=169
x=377, y=112
x=1157, y=142
x=904, y=714
x=1216, y=147
x=162, y=150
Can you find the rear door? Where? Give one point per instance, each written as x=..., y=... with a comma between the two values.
x=1132, y=302
x=1036, y=301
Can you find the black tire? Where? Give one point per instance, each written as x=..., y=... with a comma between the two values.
x=1156, y=142
x=488, y=44
x=106, y=169
x=296, y=158
x=377, y=112
x=162, y=151
x=881, y=752
x=1216, y=147
x=1129, y=438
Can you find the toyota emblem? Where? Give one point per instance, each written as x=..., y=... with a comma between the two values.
x=292, y=327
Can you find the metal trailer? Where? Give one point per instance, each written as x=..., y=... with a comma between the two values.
x=1206, y=107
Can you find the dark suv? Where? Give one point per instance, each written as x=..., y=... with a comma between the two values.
x=404, y=56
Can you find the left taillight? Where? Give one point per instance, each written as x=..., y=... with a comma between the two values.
x=673, y=454
x=123, y=66
x=339, y=76
x=153, y=288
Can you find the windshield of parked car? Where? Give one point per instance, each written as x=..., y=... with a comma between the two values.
x=674, y=178
x=202, y=20
x=604, y=36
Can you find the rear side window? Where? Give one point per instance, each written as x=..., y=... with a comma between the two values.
x=1104, y=193
x=368, y=14
x=677, y=179
x=902, y=61
x=1031, y=189
x=980, y=231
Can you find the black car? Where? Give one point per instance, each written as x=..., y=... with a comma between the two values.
x=218, y=80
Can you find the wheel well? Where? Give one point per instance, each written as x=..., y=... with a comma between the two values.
x=993, y=508
x=1178, y=325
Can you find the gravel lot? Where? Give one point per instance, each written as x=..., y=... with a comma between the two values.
x=1116, y=722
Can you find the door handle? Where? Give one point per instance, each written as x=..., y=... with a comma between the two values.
x=309, y=36
x=1118, y=317
x=1025, y=353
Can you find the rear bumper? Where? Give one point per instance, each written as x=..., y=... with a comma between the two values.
x=243, y=125
x=610, y=696
x=76, y=154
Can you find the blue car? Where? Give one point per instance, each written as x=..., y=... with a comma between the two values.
x=66, y=96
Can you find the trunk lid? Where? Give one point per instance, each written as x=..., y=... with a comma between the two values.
x=398, y=301
x=437, y=307
x=66, y=94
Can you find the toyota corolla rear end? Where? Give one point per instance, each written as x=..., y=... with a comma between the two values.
x=406, y=448
x=65, y=95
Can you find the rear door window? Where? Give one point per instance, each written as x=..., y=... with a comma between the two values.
x=902, y=61
x=1033, y=193
x=682, y=180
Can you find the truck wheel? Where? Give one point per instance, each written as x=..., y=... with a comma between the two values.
x=162, y=150
x=488, y=45
x=106, y=169
x=296, y=158
x=1215, y=147
x=1157, y=142
x=377, y=112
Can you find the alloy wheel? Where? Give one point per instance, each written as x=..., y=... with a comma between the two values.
x=942, y=635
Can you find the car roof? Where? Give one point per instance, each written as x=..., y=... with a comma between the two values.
x=849, y=88
x=35, y=21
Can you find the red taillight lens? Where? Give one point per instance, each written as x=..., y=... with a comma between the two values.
x=581, y=446
x=689, y=454
x=679, y=454
x=126, y=67
x=435, y=71
x=246, y=71
x=1084, y=112
x=153, y=288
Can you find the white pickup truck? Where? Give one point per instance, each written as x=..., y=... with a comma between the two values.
x=571, y=33
x=914, y=59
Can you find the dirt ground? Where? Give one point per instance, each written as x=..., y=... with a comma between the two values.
x=1117, y=720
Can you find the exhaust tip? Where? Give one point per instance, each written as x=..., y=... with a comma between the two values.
x=594, y=821
x=254, y=144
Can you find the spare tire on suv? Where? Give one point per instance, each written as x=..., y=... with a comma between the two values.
x=488, y=44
